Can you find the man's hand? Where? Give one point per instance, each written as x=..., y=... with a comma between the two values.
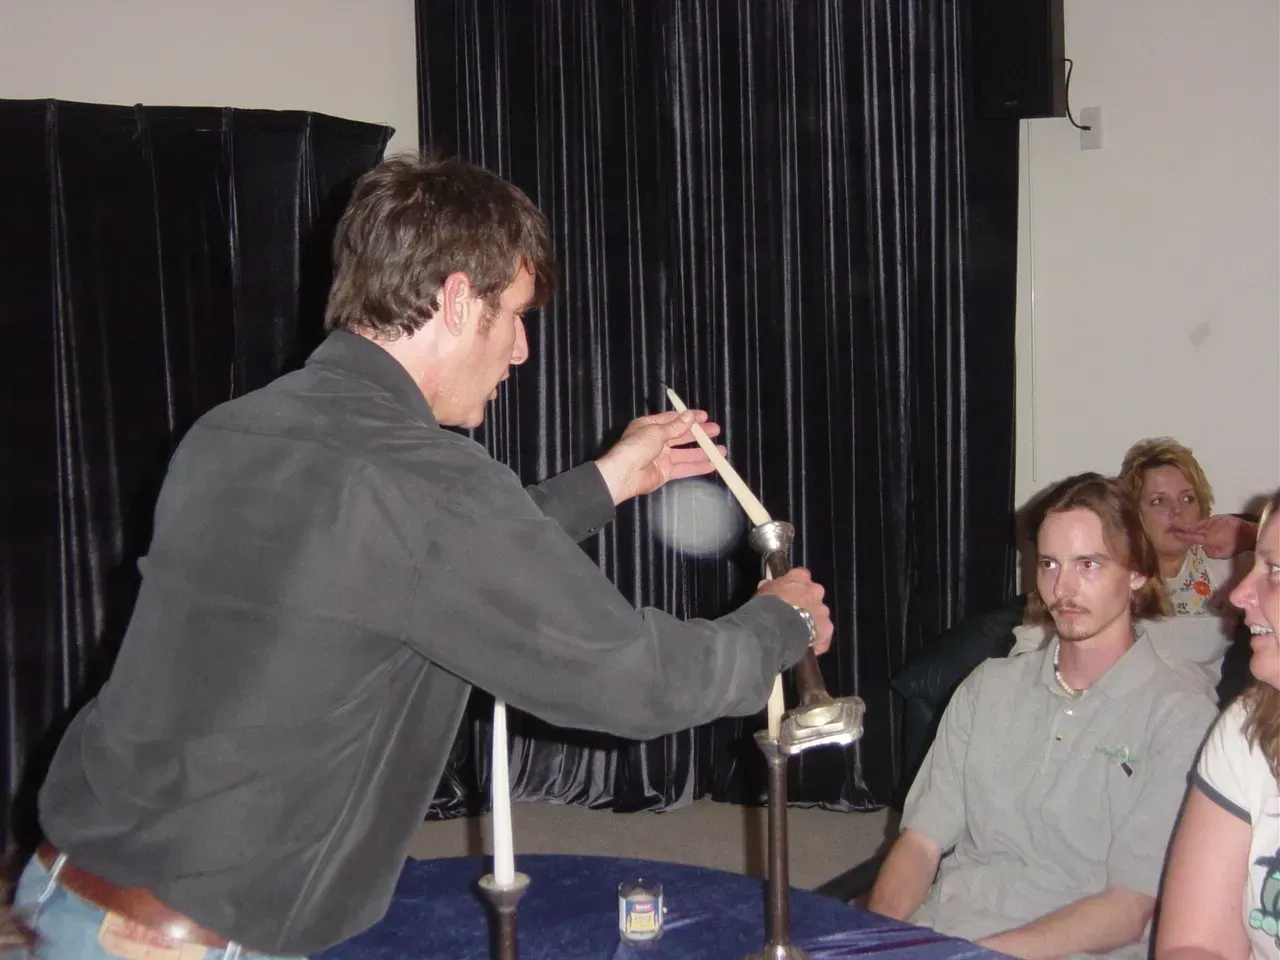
x=797, y=588
x=654, y=450
x=1222, y=537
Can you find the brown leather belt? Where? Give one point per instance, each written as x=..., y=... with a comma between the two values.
x=132, y=903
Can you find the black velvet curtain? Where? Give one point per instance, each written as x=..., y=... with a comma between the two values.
x=783, y=210
x=154, y=262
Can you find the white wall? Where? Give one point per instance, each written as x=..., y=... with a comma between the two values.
x=1148, y=298
x=349, y=58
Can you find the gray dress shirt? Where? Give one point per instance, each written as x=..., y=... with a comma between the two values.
x=330, y=572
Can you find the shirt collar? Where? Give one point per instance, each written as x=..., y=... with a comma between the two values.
x=361, y=358
x=1131, y=672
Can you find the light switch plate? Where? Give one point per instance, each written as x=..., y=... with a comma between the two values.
x=1091, y=139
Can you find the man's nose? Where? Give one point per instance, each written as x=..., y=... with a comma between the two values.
x=1063, y=586
x=520, y=349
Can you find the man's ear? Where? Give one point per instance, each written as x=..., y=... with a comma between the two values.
x=1137, y=581
x=458, y=307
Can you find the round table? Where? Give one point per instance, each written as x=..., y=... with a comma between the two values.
x=571, y=913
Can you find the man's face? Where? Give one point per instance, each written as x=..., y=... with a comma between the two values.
x=1086, y=588
x=479, y=352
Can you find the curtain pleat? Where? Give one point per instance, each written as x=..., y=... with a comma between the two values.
x=156, y=261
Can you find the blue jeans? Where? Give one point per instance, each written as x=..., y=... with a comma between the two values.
x=67, y=927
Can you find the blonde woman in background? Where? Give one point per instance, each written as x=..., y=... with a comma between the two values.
x=1199, y=553
x=1222, y=888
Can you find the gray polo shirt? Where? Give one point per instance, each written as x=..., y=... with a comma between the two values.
x=1047, y=800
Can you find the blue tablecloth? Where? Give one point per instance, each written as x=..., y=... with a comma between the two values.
x=570, y=912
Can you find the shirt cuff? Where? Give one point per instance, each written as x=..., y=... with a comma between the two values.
x=578, y=500
x=781, y=620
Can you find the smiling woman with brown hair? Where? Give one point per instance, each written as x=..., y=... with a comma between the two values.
x=1222, y=890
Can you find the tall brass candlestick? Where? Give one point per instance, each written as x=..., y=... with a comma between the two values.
x=818, y=721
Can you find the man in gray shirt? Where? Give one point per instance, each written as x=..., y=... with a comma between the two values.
x=1056, y=775
x=329, y=574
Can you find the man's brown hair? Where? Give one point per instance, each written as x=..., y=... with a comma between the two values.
x=1112, y=503
x=414, y=220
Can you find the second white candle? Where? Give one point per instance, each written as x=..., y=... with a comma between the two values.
x=504, y=856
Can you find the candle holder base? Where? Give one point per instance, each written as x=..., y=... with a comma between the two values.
x=503, y=901
x=780, y=952
x=827, y=723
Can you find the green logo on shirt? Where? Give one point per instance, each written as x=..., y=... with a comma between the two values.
x=1118, y=754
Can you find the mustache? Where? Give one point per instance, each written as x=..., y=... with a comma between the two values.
x=1064, y=607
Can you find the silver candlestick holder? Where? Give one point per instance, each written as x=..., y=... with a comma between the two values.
x=819, y=720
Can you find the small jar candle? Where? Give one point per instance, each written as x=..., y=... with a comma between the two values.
x=639, y=911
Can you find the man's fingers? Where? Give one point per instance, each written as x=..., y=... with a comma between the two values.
x=686, y=454
x=678, y=428
x=692, y=468
x=710, y=429
x=823, y=643
x=668, y=418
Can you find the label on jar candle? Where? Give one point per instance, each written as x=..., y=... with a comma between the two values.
x=639, y=911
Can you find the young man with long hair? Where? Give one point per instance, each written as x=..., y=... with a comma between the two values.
x=1056, y=774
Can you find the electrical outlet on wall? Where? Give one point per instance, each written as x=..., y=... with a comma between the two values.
x=1091, y=139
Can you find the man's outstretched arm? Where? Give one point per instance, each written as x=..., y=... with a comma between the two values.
x=653, y=450
x=1105, y=921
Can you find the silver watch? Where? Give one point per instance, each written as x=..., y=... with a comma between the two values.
x=809, y=622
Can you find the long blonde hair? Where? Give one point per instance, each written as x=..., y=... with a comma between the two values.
x=1261, y=700
x=1166, y=452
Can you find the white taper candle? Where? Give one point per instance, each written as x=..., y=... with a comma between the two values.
x=504, y=857
x=777, y=702
x=776, y=705
x=754, y=508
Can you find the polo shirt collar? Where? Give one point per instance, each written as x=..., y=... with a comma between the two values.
x=1130, y=673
